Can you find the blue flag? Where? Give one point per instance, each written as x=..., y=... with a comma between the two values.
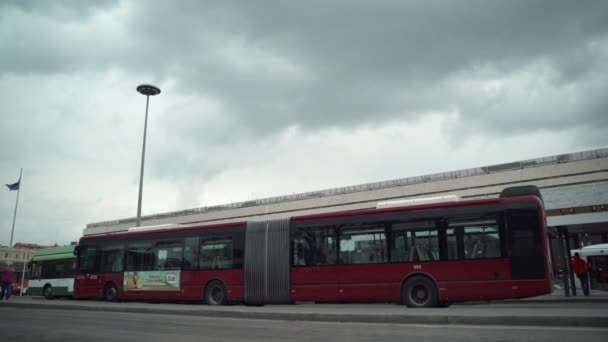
x=14, y=186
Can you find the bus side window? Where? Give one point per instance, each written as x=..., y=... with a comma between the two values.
x=168, y=255
x=216, y=254
x=479, y=237
x=314, y=246
x=36, y=270
x=363, y=244
x=190, y=260
x=414, y=241
x=112, y=259
x=452, y=244
x=139, y=257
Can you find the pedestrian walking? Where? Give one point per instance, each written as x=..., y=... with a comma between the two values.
x=580, y=267
x=8, y=275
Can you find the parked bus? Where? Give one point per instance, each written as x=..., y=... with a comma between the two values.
x=423, y=255
x=52, y=272
x=597, y=259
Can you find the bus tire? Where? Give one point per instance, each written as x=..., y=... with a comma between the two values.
x=110, y=292
x=215, y=293
x=420, y=292
x=47, y=291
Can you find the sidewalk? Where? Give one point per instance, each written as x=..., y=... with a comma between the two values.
x=548, y=314
x=558, y=296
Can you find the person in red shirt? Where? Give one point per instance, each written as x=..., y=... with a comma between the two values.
x=580, y=267
x=8, y=275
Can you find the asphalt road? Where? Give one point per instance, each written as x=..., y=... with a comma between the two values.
x=25, y=324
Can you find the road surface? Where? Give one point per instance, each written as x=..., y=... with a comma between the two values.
x=43, y=325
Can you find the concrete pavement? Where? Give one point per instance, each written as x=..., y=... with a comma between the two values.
x=557, y=297
x=595, y=296
x=531, y=314
x=27, y=324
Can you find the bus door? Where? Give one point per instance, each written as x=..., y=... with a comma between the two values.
x=314, y=272
x=365, y=274
x=87, y=282
x=525, y=248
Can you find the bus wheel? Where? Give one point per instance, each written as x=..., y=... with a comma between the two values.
x=420, y=292
x=47, y=291
x=215, y=293
x=110, y=293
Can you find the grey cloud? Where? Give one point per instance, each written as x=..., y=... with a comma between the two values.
x=362, y=58
x=367, y=63
x=62, y=9
x=354, y=62
x=236, y=74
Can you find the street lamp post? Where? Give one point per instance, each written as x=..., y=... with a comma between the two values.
x=148, y=90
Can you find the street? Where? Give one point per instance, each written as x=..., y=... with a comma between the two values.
x=27, y=324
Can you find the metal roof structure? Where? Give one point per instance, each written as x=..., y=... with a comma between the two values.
x=452, y=175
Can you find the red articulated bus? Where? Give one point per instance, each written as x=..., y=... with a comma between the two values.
x=422, y=255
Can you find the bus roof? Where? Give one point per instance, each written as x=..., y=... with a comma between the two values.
x=208, y=225
x=53, y=253
x=424, y=206
x=169, y=228
x=598, y=246
x=592, y=250
x=418, y=201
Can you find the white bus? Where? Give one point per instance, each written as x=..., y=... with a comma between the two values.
x=597, y=258
x=52, y=272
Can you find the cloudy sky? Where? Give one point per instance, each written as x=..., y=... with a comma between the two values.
x=265, y=98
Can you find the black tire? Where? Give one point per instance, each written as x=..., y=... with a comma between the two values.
x=215, y=293
x=110, y=293
x=47, y=291
x=420, y=292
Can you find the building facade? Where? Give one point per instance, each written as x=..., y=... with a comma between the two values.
x=19, y=254
x=574, y=187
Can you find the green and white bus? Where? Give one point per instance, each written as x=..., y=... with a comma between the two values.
x=52, y=272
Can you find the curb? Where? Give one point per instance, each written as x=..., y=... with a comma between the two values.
x=441, y=319
x=553, y=301
x=535, y=301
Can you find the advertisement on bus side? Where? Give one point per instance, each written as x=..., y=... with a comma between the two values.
x=151, y=281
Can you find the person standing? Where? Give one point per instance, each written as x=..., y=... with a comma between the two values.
x=580, y=267
x=8, y=275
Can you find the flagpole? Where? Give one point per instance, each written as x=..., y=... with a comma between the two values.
x=22, y=278
x=16, y=204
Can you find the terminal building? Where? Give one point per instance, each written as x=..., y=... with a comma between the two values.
x=574, y=188
x=18, y=255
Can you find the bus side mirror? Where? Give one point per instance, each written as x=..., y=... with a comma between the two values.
x=76, y=250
